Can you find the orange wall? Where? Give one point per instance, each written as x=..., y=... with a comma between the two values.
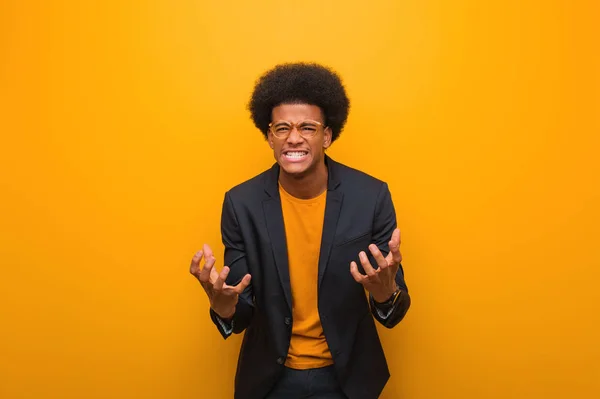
x=124, y=122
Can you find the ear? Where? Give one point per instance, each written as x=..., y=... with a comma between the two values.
x=270, y=139
x=327, y=137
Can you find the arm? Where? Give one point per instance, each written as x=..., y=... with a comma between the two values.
x=388, y=276
x=235, y=258
x=383, y=228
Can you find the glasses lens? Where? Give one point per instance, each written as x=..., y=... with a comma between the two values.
x=308, y=129
x=281, y=129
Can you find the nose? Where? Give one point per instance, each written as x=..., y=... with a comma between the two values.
x=294, y=136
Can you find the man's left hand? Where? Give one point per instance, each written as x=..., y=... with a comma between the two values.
x=381, y=282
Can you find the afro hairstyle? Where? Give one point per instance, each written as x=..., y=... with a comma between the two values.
x=294, y=83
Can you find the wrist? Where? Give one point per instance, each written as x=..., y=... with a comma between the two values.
x=386, y=296
x=225, y=315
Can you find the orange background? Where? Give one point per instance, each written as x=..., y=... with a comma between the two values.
x=123, y=123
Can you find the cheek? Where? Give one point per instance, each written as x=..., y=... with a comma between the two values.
x=319, y=146
x=276, y=147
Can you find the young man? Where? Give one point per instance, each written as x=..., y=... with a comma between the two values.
x=303, y=241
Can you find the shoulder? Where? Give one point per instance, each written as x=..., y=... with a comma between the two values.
x=355, y=179
x=250, y=188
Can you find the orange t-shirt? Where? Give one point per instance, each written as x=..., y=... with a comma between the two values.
x=303, y=221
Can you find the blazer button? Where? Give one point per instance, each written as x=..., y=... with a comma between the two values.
x=280, y=360
x=287, y=321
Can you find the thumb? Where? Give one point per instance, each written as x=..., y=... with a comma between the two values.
x=243, y=284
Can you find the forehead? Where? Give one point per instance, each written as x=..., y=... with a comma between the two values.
x=296, y=112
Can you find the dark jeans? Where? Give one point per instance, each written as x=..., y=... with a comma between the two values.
x=318, y=383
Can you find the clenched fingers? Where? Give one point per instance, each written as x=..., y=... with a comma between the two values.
x=209, y=262
x=364, y=261
x=358, y=277
x=395, y=256
x=218, y=285
x=195, y=264
x=381, y=262
x=242, y=285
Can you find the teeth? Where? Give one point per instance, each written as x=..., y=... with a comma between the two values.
x=296, y=154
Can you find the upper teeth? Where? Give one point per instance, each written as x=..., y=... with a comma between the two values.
x=296, y=154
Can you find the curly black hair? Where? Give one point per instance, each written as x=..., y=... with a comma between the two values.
x=293, y=83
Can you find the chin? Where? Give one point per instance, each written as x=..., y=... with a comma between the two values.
x=294, y=170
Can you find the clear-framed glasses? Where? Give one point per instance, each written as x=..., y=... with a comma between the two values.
x=307, y=128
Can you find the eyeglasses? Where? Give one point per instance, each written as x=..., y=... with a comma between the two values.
x=307, y=129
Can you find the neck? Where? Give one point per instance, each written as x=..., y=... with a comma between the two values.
x=305, y=186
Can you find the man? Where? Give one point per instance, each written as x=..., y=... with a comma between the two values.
x=303, y=241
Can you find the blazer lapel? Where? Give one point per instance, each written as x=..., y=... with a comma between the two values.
x=276, y=230
x=332, y=214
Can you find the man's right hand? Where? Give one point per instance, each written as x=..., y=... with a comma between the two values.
x=222, y=297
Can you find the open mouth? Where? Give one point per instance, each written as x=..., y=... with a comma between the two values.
x=295, y=155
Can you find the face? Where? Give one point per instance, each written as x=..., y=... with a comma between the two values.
x=296, y=155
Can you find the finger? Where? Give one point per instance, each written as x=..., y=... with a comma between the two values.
x=208, y=252
x=218, y=285
x=395, y=256
x=209, y=261
x=381, y=262
x=364, y=261
x=242, y=285
x=395, y=240
x=195, y=264
x=214, y=275
x=355, y=273
x=206, y=272
x=396, y=236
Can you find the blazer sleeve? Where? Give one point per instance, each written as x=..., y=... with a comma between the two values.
x=235, y=258
x=384, y=224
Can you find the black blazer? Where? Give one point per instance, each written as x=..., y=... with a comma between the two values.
x=358, y=212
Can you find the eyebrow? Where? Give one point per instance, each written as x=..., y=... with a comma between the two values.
x=304, y=121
